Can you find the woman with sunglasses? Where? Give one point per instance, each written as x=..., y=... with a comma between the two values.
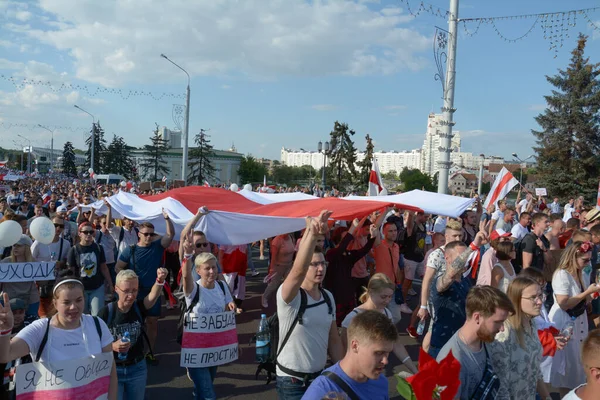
x=571, y=294
x=517, y=352
x=89, y=261
x=68, y=335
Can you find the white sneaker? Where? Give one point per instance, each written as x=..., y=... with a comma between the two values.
x=411, y=292
x=405, y=309
x=255, y=273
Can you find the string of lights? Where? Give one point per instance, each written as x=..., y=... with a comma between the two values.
x=426, y=8
x=31, y=127
x=20, y=83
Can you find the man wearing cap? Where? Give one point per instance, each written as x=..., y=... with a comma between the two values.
x=592, y=218
x=484, y=275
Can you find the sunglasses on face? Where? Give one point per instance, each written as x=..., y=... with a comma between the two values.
x=147, y=234
x=199, y=244
x=87, y=232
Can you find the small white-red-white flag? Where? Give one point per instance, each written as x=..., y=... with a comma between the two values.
x=3, y=163
x=375, y=182
x=206, y=184
x=503, y=184
x=164, y=179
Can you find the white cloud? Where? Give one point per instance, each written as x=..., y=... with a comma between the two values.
x=395, y=108
x=7, y=44
x=93, y=100
x=72, y=97
x=113, y=42
x=225, y=87
x=473, y=133
x=324, y=107
x=7, y=64
x=23, y=16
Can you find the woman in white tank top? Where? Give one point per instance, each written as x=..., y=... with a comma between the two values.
x=503, y=272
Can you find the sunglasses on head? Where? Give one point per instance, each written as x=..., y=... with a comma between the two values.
x=87, y=232
x=147, y=233
x=199, y=244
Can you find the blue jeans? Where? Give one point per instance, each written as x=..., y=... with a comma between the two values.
x=203, y=379
x=94, y=300
x=289, y=388
x=132, y=381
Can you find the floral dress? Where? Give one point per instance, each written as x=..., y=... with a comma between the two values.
x=518, y=368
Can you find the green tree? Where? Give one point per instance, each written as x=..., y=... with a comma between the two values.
x=118, y=158
x=366, y=164
x=342, y=154
x=99, y=148
x=415, y=179
x=68, y=160
x=251, y=170
x=153, y=164
x=568, y=144
x=285, y=174
x=201, y=168
x=390, y=176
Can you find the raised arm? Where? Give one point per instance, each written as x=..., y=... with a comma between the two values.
x=150, y=300
x=189, y=228
x=186, y=270
x=9, y=349
x=165, y=241
x=314, y=227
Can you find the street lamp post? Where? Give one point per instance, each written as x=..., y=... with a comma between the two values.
x=184, y=158
x=521, y=165
x=51, y=145
x=28, y=154
x=20, y=146
x=480, y=185
x=93, y=135
x=324, y=150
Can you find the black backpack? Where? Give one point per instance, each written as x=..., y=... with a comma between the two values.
x=518, y=261
x=184, y=311
x=273, y=322
x=111, y=318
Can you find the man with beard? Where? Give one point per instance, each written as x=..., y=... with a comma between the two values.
x=487, y=308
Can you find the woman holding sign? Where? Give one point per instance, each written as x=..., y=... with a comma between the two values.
x=57, y=346
x=206, y=296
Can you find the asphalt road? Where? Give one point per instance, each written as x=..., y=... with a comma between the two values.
x=236, y=380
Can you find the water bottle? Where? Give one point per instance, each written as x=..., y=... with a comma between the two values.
x=568, y=330
x=421, y=327
x=125, y=339
x=263, y=340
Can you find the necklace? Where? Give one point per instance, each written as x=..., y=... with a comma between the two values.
x=468, y=349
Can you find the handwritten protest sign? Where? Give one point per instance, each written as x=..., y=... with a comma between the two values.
x=27, y=271
x=209, y=340
x=86, y=378
x=541, y=192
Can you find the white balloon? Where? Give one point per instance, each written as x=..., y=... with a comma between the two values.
x=42, y=230
x=248, y=186
x=10, y=233
x=234, y=187
x=123, y=183
x=90, y=170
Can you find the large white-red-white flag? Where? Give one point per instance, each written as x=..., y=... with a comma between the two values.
x=3, y=163
x=376, y=187
x=503, y=184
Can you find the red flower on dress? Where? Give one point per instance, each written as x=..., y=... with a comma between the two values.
x=436, y=380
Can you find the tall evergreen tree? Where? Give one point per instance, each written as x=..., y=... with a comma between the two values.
x=99, y=149
x=118, y=158
x=366, y=164
x=153, y=164
x=342, y=154
x=201, y=168
x=568, y=144
x=251, y=171
x=68, y=160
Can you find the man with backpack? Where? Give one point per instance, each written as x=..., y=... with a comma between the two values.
x=361, y=373
x=306, y=316
x=124, y=236
x=144, y=258
x=128, y=315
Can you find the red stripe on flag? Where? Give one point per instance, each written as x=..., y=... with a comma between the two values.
x=373, y=179
x=505, y=179
x=92, y=390
x=193, y=340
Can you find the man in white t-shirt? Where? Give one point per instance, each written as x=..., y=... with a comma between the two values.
x=124, y=236
x=58, y=249
x=569, y=208
x=520, y=230
x=497, y=215
x=590, y=357
x=522, y=205
x=303, y=356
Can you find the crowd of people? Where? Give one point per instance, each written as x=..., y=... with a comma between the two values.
x=511, y=291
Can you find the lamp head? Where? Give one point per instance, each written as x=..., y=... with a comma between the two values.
x=162, y=55
x=515, y=155
x=320, y=146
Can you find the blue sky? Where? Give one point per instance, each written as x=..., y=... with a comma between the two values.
x=273, y=73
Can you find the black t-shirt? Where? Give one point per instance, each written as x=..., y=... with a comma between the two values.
x=87, y=260
x=529, y=245
x=128, y=322
x=414, y=248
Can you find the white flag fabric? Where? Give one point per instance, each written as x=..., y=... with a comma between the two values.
x=375, y=182
x=503, y=184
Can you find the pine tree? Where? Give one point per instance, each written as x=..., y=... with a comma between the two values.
x=568, y=144
x=118, y=157
x=99, y=149
x=201, y=168
x=342, y=154
x=153, y=164
x=366, y=164
x=68, y=160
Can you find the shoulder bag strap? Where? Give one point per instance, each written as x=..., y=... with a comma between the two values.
x=393, y=266
x=143, y=331
x=98, y=328
x=121, y=236
x=44, y=341
x=111, y=313
x=303, y=301
x=60, y=250
x=332, y=376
